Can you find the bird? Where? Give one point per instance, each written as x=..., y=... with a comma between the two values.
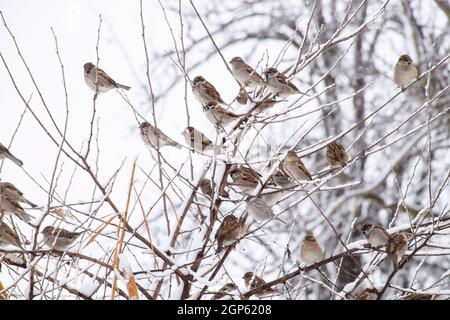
x=8, y=236
x=404, y=71
x=11, y=192
x=9, y=206
x=98, y=81
x=310, y=250
x=241, y=98
x=252, y=281
x=59, y=239
x=375, y=234
x=218, y=115
x=205, y=92
x=206, y=187
x=151, y=135
x=196, y=140
x=336, y=155
x=244, y=178
x=244, y=74
x=396, y=247
x=230, y=229
x=259, y=210
x=224, y=291
x=368, y=294
x=294, y=167
x=5, y=154
x=278, y=84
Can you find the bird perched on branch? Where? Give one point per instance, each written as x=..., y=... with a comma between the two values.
x=375, y=234
x=59, y=239
x=205, y=92
x=310, y=250
x=224, y=291
x=244, y=74
x=5, y=154
x=8, y=236
x=151, y=135
x=218, y=115
x=396, y=247
x=9, y=206
x=279, y=85
x=98, y=80
x=11, y=192
x=259, y=210
x=404, y=71
x=244, y=178
x=230, y=230
x=294, y=167
x=336, y=155
x=252, y=281
x=196, y=140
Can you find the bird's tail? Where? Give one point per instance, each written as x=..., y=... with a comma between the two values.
x=121, y=86
x=15, y=160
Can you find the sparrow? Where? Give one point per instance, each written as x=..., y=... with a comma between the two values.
x=98, y=80
x=4, y=153
x=151, y=135
x=396, y=247
x=375, y=234
x=197, y=141
x=8, y=235
x=59, y=239
x=230, y=230
x=11, y=192
x=241, y=98
x=228, y=287
x=310, y=250
x=259, y=210
x=336, y=155
x=204, y=91
x=218, y=115
x=279, y=85
x=244, y=178
x=252, y=281
x=245, y=74
x=282, y=180
x=9, y=206
x=368, y=294
x=294, y=167
x=404, y=71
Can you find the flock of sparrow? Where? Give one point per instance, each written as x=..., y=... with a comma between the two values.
x=290, y=173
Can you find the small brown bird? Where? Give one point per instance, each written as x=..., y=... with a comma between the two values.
x=230, y=230
x=5, y=154
x=294, y=167
x=151, y=135
x=244, y=178
x=375, y=234
x=252, y=281
x=336, y=155
x=11, y=192
x=224, y=291
x=8, y=236
x=396, y=248
x=245, y=74
x=218, y=115
x=404, y=71
x=368, y=294
x=259, y=210
x=97, y=79
x=197, y=141
x=279, y=85
x=205, y=92
x=59, y=239
x=310, y=250
x=206, y=187
x=241, y=98
x=9, y=206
